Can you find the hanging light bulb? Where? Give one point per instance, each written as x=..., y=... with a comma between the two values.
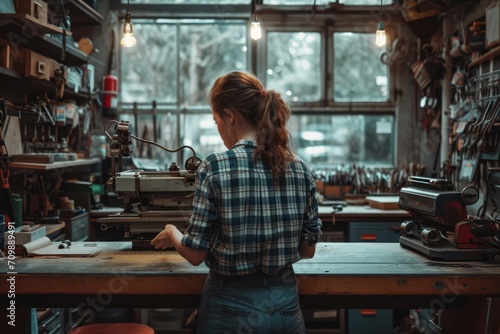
x=380, y=38
x=128, y=39
x=255, y=31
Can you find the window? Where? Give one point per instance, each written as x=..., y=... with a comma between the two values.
x=322, y=2
x=358, y=73
x=324, y=141
x=339, y=94
x=173, y=64
x=266, y=2
x=189, y=2
x=358, y=80
x=175, y=61
x=294, y=65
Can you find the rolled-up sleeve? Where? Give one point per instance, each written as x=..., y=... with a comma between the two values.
x=199, y=232
x=311, y=228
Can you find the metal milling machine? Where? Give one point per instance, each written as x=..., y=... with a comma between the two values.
x=151, y=199
x=441, y=228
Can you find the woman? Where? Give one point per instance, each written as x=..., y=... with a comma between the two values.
x=255, y=213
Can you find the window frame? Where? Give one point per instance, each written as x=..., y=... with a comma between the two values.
x=326, y=26
x=325, y=21
x=365, y=107
x=272, y=27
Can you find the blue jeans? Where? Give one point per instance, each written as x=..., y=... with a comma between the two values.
x=256, y=303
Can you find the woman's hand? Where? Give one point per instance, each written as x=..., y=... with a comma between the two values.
x=164, y=238
x=172, y=237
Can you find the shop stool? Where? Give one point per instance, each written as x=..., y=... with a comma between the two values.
x=113, y=328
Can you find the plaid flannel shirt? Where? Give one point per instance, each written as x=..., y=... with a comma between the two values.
x=245, y=222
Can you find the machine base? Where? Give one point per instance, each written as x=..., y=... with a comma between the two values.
x=447, y=251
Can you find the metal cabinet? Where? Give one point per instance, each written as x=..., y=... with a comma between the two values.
x=374, y=321
x=374, y=232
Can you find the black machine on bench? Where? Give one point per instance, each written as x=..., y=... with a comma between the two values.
x=151, y=199
x=441, y=228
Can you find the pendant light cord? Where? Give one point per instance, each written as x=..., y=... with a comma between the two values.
x=380, y=15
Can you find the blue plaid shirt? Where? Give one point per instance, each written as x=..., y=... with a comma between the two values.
x=245, y=222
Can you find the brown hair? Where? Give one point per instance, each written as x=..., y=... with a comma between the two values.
x=265, y=110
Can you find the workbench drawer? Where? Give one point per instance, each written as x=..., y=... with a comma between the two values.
x=327, y=321
x=373, y=321
x=374, y=232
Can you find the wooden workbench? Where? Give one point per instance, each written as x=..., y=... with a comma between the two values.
x=365, y=213
x=338, y=269
x=342, y=275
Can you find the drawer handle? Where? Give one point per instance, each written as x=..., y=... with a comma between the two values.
x=368, y=311
x=369, y=237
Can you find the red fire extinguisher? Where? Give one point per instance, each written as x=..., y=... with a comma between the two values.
x=110, y=95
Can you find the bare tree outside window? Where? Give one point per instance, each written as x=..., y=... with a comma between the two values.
x=175, y=62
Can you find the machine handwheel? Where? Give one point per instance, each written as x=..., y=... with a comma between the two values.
x=192, y=163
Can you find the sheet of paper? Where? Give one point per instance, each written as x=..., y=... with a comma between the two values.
x=45, y=247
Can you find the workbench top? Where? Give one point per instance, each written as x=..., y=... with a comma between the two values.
x=365, y=213
x=337, y=269
x=331, y=259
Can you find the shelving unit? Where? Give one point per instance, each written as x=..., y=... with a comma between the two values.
x=28, y=24
x=83, y=14
x=30, y=33
x=44, y=85
x=23, y=33
x=493, y=53
x=5, y=72
x=54, y=165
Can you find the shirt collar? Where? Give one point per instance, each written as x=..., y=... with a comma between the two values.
x=245, y=142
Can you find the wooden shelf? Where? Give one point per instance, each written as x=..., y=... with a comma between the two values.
x=38, y=85
x=82, y=14
x=9, y=73
x=486, y=57
x=29, y=25
x=54, y=165
x=32, y=34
